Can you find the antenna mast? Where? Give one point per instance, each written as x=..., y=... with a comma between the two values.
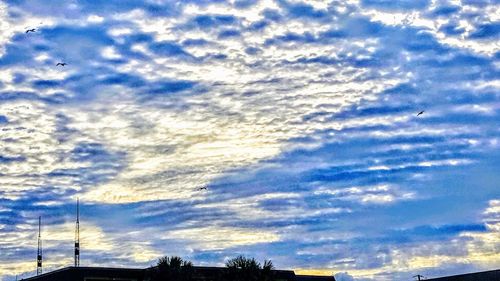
x=419, y=277
x=39, y=252
x=77, y=234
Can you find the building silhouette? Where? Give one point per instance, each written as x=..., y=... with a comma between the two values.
x=492, y=275
x=200, y=273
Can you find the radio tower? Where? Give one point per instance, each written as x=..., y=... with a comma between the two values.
x=419, y=277
x=39, y=252
x=77, y=234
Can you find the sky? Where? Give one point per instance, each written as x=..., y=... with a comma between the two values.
x=299, y=118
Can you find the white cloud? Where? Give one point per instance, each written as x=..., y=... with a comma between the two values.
x=220, y=237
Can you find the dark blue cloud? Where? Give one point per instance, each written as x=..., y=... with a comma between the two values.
x=167, y=87
x=365, y=62
x=105, y=164
x=363, y=27
x=486, y=31
x=452, y=29
x=356, y=111
x=194, y=42
x=364, y=177
x=362, y=61
x=84, y=41
x=17, y=53
x=258, y=25
x=44, y=84
x=412, y=39
x=65, y=34
x=8, y=159
x=252, y=50
x=400, y=5
x=229, y=33
x=203, y=3
x=445, y=10
x=424, y=231
x=126, y=50
x=161, y=10
x=55, y=98
x=303, y=10
x=63, y=8
x=173, y=213
x=89, y=152
x=333, y=33
x=291, y=37
x=212, y=21
x=19, y=78
x=63, y=131
x=272, y=15
x=478, y=3
x=459, y=60
x=422, y=41
x=218, y=56
x=127, y=5
x=243, y=4
x=320, y=60
x=124, y=79
x=170, y=49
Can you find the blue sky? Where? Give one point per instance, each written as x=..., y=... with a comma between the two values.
x=298, y=117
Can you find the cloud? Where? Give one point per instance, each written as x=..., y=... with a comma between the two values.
x=486, y=31
x=229, y=33
x=343, y=276
x=210, y=238
x=211, y=21
x=168, y=49
x=395, y=5
x=303, y=10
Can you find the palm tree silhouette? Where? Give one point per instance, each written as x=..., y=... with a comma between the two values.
x=267, y=271
x=172, y=269
x=248, y=269
x=237, y=269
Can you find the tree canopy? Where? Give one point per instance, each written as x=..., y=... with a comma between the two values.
x=237, y=269
x=172, y=269
x=248, y=269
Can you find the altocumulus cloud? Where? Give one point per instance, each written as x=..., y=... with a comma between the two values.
x=299, y=117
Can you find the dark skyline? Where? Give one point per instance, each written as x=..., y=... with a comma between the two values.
x=283, y=130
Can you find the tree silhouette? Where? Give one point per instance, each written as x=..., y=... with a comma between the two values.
x=172, y=269
x=267, y=271
x=237, y=269
x=248, y=269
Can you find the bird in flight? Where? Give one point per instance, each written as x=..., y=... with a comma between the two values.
x=30, y=30
x=420, y=113
x=61, y=64
x=202, y=188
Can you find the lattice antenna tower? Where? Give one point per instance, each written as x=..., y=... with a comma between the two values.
x=419, y=277
x=39, y=252
x=77, y=234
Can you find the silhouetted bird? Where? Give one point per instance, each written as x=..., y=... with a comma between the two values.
x=61, y=64
x=202, y=188
x=420, y=113
x=30, y=30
